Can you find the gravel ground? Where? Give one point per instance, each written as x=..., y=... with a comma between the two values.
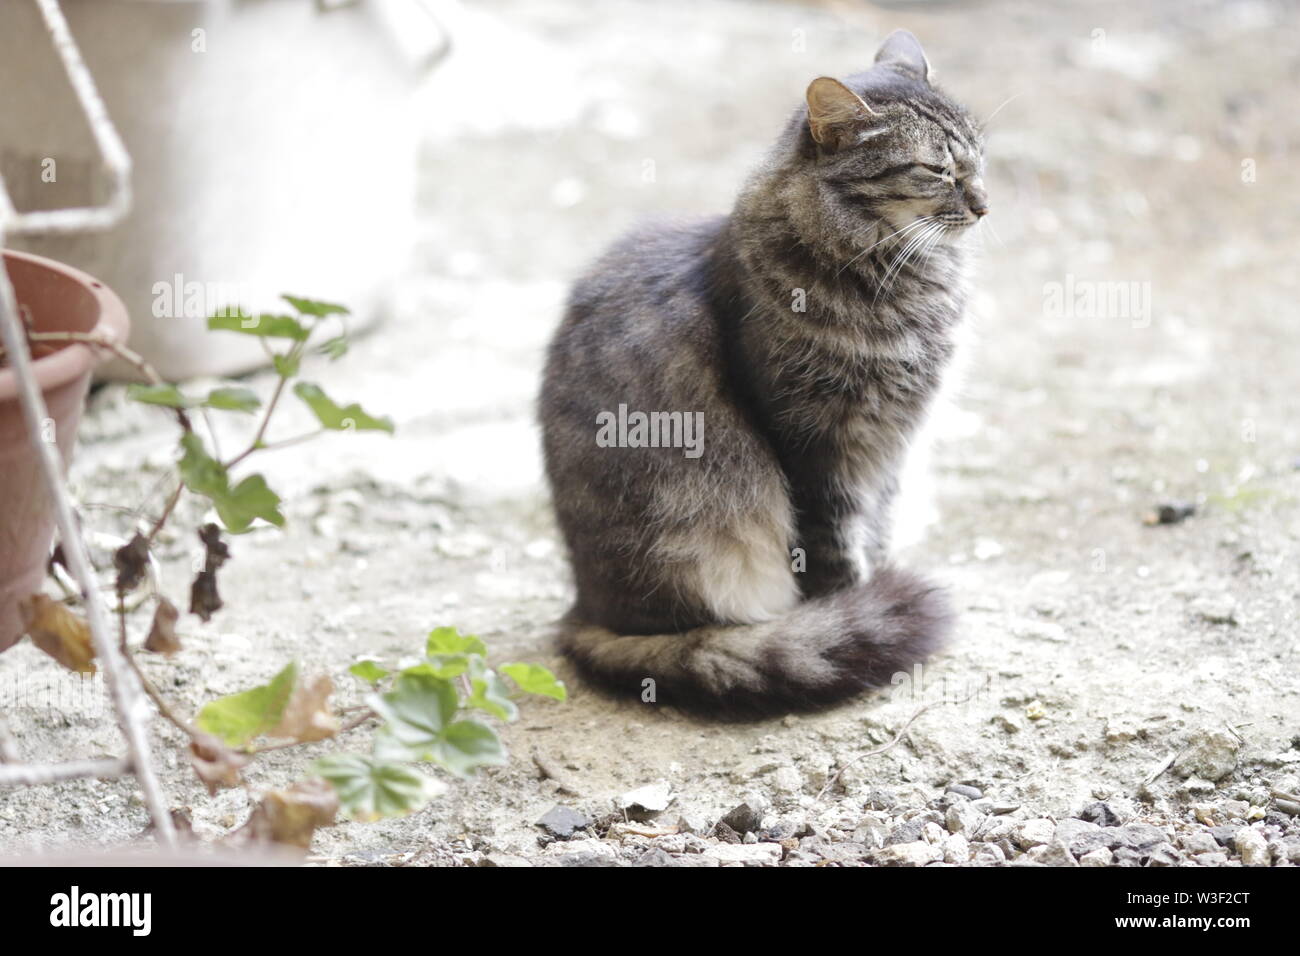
x=1119, y=693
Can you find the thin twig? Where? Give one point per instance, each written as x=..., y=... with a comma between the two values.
x=830, y=784
x=352, y=724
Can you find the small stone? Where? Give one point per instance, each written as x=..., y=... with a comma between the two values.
x=1224, y=835
x=645, y=802
x=561, y=821
x=1170, y=512
x=655, y=857
x=745, y=818
x=1211, y=859
x=1080, y=836
x=1216, y=609
x=1098, y=857
x=1006, y=723
x=908, y=831
x=956, y=849
x=1204, y=813
x=1052, y=854
x=581, y=853
x=1252, y=847
x=1035, y=710
x=1120, y=730
x=987, y=854
x=963, y=818
x=961, y=789
x=844, y=852
x=505, y=859
x=1164, y=854
x=933, y=833
x=1101, y=814
x=692, y=823
x=1198, y=841
x=1289, y=807
x=880, y=800
x=918, y=853
x=750, y=854
x=1211, y=755
x=787, y=780
x=1033, y=833
x=1135, y=836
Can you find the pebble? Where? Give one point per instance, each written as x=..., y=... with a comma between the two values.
x=645, y=802
x=745, y=818
x=749, y=854
x=1098, y=857
x=1252, y=847
x=1033, y=833
x=561, y=821
x=1052, y=854
x=987, y=854
x=581, y=853
x=956, y=849
x=918, y=853
x=1101, y=814
x=963, y=818
x=1164, y=854
x=961, y=789
x=1216, y=609
x=787, y=780
x=1210, y=755
x=1080, y=836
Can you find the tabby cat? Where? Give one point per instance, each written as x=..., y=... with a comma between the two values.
x=743, y=572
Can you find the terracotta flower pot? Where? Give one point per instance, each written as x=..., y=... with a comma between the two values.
x=58, y=299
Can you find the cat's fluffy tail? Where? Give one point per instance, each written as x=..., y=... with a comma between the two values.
x=822, y=652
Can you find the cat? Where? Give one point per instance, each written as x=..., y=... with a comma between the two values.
x=805, y=336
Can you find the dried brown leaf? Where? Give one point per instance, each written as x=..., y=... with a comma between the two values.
x=216, y=764
x=59, y=632
x=291, y=817
x=204, y=599
x=131, y=561
x=162, y=637
x=307, y=715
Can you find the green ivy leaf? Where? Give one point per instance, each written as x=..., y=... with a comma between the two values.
x=315, y=307
x=248, y=500
x=349, y=418
x=264, y=325
x=233, y=399
x=371, y=789
x=238, y=718
x=228, y=399
x=168, y=395
x=535, y=679
x=488, y=692
x=286, y=366
x=417, y=709
x=467, y=745
x=368, y=671
x=202, y=473
x=448, y=640
x=335, y=348
x=443, y=666
x=237, y=507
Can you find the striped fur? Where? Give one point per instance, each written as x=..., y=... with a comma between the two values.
x=811, y=327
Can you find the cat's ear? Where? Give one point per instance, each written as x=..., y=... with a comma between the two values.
x=836, y=115
x=903, y=50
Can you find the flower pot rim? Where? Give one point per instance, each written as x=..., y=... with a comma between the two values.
x=72, y=361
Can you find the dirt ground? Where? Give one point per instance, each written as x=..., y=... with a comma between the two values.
x=1144, y=149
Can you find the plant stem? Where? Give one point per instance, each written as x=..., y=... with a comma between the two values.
x=352, y=724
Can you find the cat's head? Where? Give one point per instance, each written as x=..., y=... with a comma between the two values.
x=887, y=144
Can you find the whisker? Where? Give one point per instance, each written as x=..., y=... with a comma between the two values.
x=989, y=118
x=911, y=225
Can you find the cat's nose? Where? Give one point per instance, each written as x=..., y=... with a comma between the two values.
x=980, y=209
